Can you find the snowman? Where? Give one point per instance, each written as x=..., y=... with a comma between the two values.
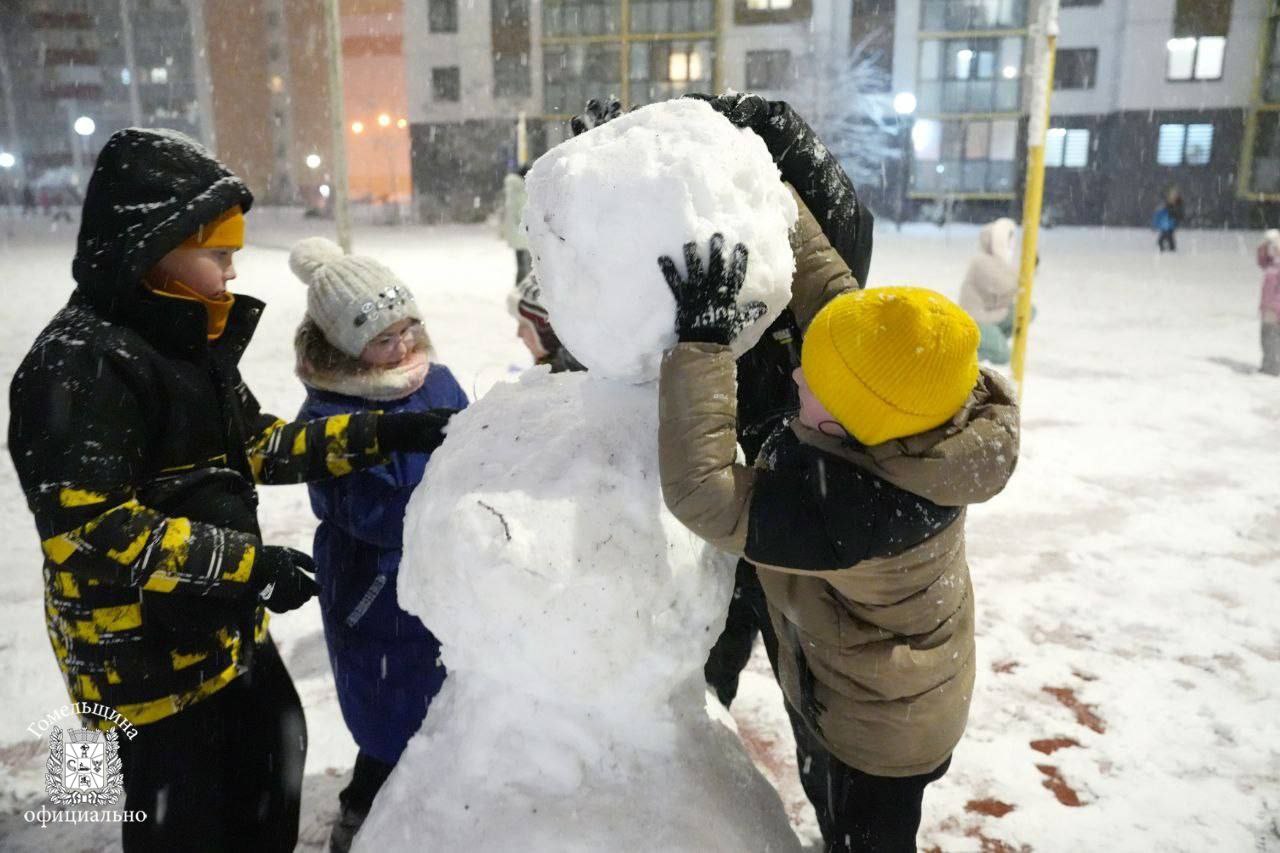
x=574, y=610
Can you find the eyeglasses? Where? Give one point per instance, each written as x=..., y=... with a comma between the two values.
x=387, y=340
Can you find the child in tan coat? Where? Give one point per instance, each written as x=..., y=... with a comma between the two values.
x=854, y=515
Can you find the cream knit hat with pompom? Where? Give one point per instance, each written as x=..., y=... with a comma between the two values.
x=352, y=299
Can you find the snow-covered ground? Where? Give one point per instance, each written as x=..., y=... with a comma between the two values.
x=1128, y=580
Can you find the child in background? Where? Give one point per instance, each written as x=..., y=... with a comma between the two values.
x=514, y=199
x=990, y=289
x=362, y=346
x=533, y=327
x=854, y=516
x=1269, y=261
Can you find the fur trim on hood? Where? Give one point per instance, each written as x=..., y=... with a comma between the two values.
x=323, y=366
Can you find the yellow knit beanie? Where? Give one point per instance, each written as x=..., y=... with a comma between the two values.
x=225, y=232
x=891, y=362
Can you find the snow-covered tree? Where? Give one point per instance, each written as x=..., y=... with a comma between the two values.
x=853, y=112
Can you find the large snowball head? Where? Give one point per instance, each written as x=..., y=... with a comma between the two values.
x=604, y=206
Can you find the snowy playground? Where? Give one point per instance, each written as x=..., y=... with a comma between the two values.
x=1128, y=693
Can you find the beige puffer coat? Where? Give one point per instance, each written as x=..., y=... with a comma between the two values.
x=887, y=642
x=990, y=286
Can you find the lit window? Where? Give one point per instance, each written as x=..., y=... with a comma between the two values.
x=1209, y=55
x=1199, y=144
x=678, y=67
x=1170, y=145
x=926, y=139
x=159, y=74
x=1189, y=144
x=768, y=5
x=277, y=84
x=1196, y=58
x=1069, y=148
x=125, y=76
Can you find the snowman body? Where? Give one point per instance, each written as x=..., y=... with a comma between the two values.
x=575, y=612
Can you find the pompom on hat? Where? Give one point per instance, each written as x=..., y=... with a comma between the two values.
x=891, y=361
x=352, y=299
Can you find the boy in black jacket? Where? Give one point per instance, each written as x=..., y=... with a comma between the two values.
x=138, y=447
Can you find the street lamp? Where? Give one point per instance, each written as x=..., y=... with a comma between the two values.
x=384, y=120
x=357, y=127
x=84, y=126
x=904, y=104
x=313, y=161
x=7, y=160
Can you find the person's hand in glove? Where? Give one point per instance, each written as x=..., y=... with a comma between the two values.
x=707, y=309
x=805, y=164
x=283, y=578
x=594, y=115
x=744, y=109
x=412, y=432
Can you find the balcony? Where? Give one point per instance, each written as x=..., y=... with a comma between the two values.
x=968, y=15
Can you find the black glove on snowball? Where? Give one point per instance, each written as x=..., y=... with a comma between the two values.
x=707, y=309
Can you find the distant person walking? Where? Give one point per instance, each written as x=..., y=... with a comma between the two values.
x=1269, y=260
x=1168, y=218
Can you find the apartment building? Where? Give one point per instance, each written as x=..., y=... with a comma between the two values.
x=1147, y=95
x=73, y=71
x=475, y=68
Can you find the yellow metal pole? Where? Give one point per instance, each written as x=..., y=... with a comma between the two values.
x=1033, y=198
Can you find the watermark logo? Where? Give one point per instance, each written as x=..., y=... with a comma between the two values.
x=84, y=767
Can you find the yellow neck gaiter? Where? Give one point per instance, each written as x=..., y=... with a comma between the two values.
x=217, y=310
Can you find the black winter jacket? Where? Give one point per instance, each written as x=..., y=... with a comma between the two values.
x=138, y=447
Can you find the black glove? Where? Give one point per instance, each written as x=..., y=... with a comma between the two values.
x=412, y=432
x=744, y=109
x=820, y=180
x=595, y=114
x=283, y=577
x=707, y=309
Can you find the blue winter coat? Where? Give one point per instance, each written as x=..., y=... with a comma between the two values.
x=1164, y=220
x=386, y=664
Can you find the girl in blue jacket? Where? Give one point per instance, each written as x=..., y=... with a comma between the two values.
x=363, y=346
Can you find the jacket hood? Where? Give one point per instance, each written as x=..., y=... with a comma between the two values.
x=149, y=191
x=996, y=239
x=324, y=367
x=967, y=460
x=1269, y=249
